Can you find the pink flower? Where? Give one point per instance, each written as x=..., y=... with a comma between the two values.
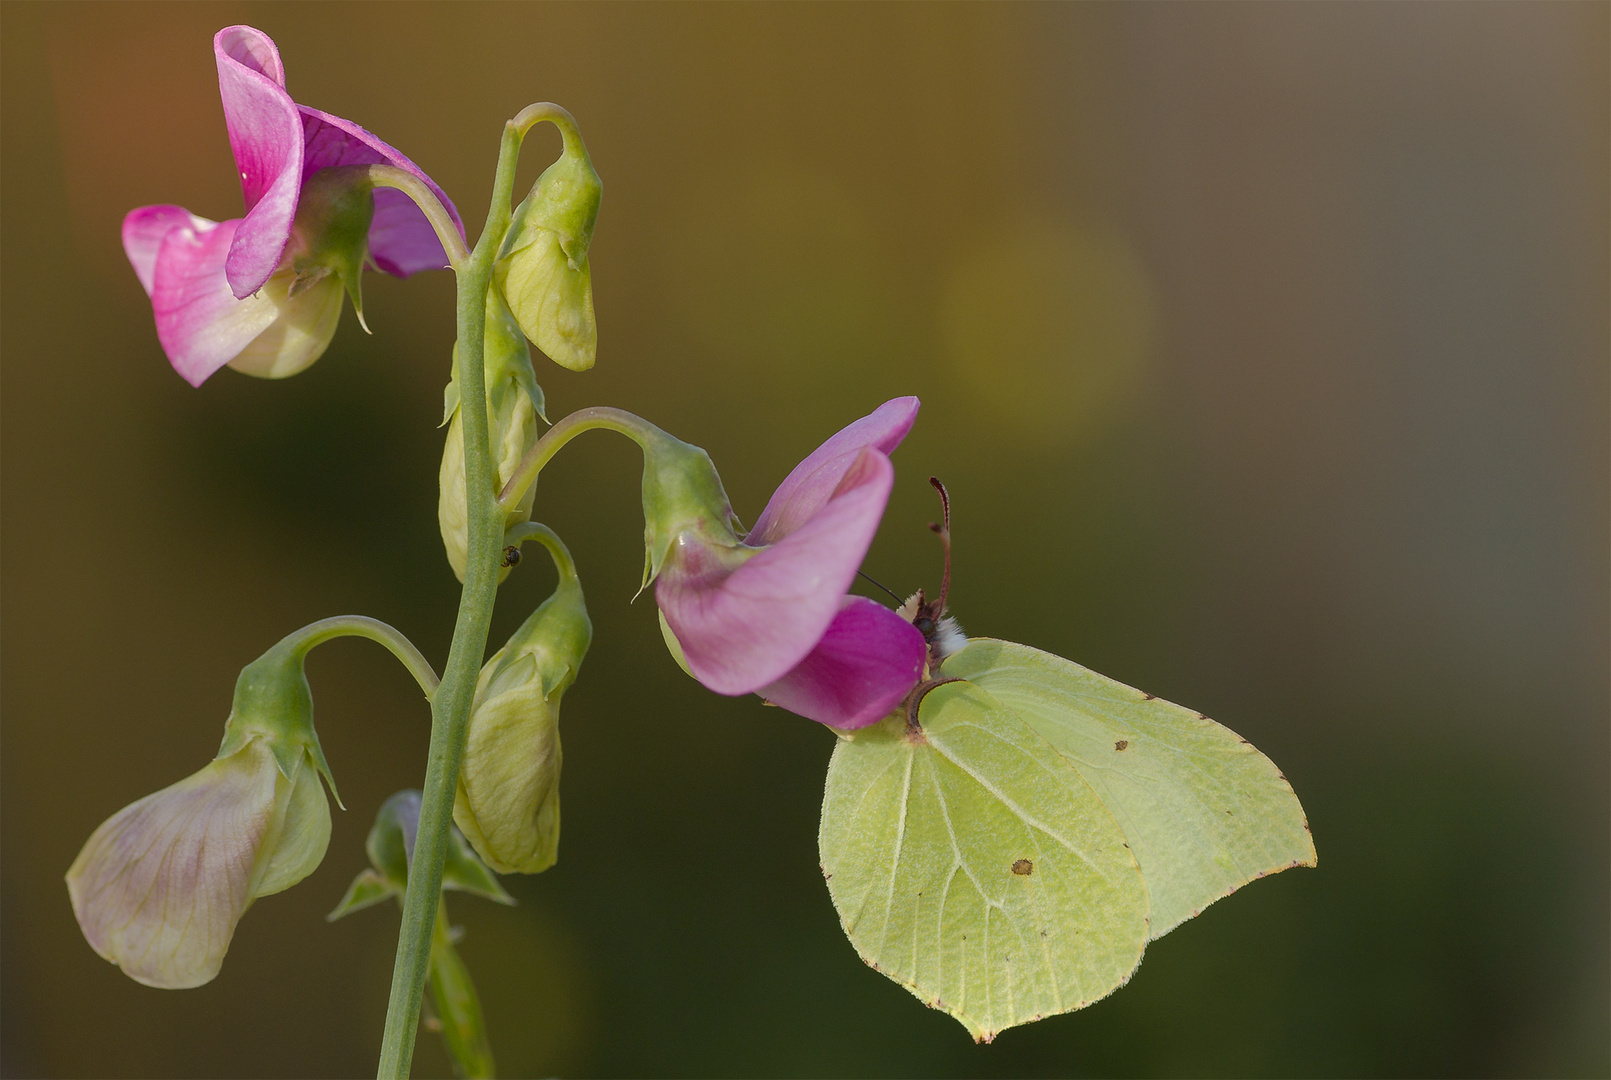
x=771, y=616
x=263, y=293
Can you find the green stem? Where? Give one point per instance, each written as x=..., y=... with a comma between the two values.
x=363, y=626
x=447, y=231
x=450, y=707
x=600, y=416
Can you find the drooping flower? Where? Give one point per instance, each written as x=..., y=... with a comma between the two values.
x=159, y=887
x=262, y=293
x=770, y=615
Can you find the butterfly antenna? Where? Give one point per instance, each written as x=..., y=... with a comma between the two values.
x=881, y=585
x=943, y=531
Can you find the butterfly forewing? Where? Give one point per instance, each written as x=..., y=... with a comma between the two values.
x=1203, y=810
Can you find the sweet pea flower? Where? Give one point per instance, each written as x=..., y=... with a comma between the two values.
x=262, y=293
x=771, y=615
x=159, y=887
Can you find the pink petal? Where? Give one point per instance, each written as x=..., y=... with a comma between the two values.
x=201, y=325
x=144, y=230
x=265, y=132
x=808, y=487
x=860, y=670
x=401, y=240
x=748, y=628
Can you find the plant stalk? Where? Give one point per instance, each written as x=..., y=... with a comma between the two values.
x=450, y=706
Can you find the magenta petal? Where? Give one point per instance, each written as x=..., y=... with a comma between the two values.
x=860, y=670
x=749, y=628
x=144, y=230
x=804, y=490
x=201, y=325
x=401, y=240
x=265, y=132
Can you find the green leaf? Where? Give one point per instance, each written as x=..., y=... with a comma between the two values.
x=1204, y=812
x=367, y=888
x=970, y=863
x=463, y=870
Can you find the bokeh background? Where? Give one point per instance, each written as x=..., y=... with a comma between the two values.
x=1263, y=348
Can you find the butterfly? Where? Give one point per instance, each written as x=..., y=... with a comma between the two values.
x=1007, y=844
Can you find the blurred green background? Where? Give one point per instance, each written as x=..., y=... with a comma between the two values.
x=1263, y=348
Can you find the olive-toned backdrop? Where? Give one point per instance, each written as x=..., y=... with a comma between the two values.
x=1264, y=350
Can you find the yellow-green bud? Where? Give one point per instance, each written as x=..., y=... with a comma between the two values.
x=542, y=268
x=514, y=405
x=508, y=797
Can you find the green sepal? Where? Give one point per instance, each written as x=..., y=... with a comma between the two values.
x=507, y=358
x=465, y=872
x=274, y=702
x=368, y=888
x=564, y=200
x=682, y=492
x=391, y=839
x=331, y=232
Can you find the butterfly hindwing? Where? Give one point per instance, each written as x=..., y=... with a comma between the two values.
x=973, y=865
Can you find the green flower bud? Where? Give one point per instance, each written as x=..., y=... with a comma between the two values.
x=542, y=268
x=508, y=797
x=514, y=405
x=390, y=846
x=159, y=887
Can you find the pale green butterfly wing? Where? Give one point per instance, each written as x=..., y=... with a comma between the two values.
x=973, y=866
x=1204, y=812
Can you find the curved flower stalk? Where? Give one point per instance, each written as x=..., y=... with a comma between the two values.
x=262, y=293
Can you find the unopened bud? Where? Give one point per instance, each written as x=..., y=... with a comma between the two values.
x=543, y=269
x=508, y=797
x=514, y=405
